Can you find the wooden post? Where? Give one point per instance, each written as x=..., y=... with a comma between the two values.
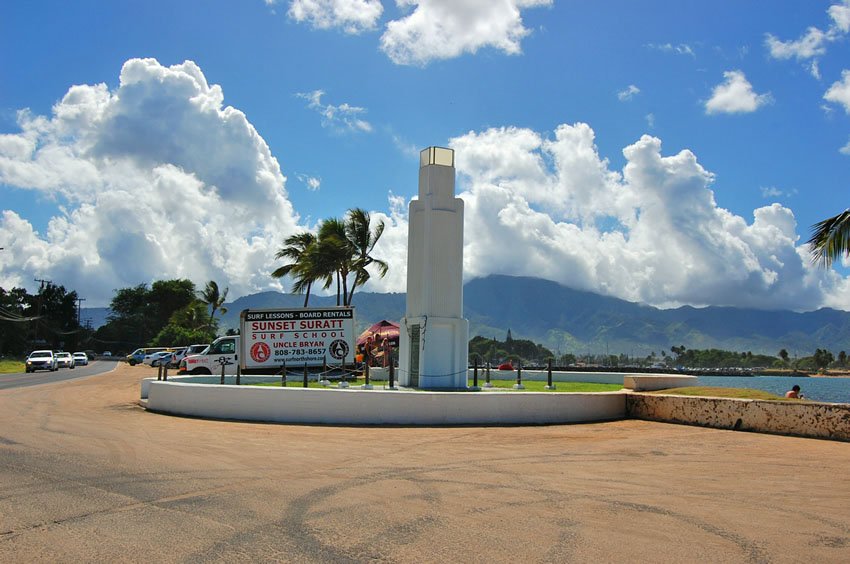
x=392, y=375
x=238, y=375
x=283, y=375
x=305, y=375
x=159, y=373
x=165, y=373
x=475, y=373
x=487, y=383
x=222, y=373
x=549, y=385
x=366, y=374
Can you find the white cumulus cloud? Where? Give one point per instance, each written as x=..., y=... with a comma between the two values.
x=652, y=232
x=351, y=16
x=444, y=29
x=813, y=43
x=839, y=92
x=157, y=179
x=735, y=95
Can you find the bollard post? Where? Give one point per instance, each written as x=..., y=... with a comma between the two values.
x=392, y=375
x=367, y=385
x=222, y=373
x=238, y=374
x=165, y=373
x=283, y=375
x=518, y=385
x=487, y=383
x=549, y=385
x=343, y=383
x=324, y=381
x=305, y=375
x=475, y=373
x=159, y=373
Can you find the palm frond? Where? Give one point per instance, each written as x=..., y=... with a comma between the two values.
x=830, y=239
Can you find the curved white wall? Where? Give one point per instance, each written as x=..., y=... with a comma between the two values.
x=372, y=407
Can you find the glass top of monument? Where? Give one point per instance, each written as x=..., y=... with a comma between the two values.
x=436, y=156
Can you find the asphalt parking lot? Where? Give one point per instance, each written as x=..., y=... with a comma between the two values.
x=87, y=475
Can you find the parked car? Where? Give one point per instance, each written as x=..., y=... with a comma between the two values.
x=65, y=360
x=107, y=353
x=138, y=355
x=176, y=356
x=188, y=351
x=157, y=358
x=80, y=358
x=41, y=360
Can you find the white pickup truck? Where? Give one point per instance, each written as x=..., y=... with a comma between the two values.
x=224, y=351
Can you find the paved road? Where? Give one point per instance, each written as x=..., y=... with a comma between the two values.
x=87, y=475
x=20, y=379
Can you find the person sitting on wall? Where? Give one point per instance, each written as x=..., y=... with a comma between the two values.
x=794, y=392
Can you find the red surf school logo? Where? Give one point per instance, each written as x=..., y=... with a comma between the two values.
x=260, y=352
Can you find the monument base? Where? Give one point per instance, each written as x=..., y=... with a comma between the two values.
x=433, y=352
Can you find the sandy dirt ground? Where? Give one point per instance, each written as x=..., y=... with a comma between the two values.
x=88, y=475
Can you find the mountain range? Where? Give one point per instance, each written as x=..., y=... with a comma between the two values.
x=573, y=321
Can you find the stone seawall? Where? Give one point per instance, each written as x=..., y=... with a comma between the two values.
x=803, y=419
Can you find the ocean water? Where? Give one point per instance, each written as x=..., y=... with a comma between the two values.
x=834, y=390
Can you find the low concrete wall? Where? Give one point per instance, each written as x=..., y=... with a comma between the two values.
x=804, y=419
x=372, y=407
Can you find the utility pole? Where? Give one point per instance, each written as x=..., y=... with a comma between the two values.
x=40, y=298
x=79, y=309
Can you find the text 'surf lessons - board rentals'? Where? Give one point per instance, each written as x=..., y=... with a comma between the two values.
x=273, y=337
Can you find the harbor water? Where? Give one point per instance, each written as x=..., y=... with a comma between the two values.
x=834, y=390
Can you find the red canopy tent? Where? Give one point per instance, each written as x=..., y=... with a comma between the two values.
x=379, y=331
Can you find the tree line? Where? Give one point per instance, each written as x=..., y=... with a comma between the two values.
x=48, y=319
x=169, y=312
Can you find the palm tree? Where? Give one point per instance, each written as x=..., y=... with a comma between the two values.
x=361, y=238
x=301, y=250
x=215, y=299
x=830, y=239
x=337, y=253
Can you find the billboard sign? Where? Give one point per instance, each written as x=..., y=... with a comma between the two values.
x=272, y=337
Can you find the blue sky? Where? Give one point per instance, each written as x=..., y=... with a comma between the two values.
x=666, y=153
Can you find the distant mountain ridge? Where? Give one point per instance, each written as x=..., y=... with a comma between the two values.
x=578, y=322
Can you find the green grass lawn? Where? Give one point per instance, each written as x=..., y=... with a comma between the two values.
x=9, y=366
x=530, y=385
x=706, y=391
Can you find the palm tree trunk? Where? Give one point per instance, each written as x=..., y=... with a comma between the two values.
x=307, y=297
x=338, y=286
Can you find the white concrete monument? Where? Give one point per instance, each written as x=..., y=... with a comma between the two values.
x=434, y=337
